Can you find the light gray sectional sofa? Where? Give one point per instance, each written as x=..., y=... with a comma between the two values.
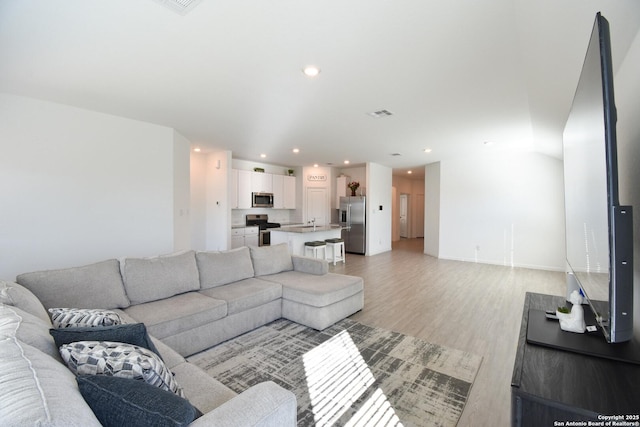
x=189, y=302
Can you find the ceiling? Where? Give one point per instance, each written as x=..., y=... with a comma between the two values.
x=227, y=75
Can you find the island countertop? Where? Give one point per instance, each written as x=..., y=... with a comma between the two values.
x=308, y=228
x=296, y=236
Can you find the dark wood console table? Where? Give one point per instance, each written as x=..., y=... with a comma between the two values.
x=550, y=387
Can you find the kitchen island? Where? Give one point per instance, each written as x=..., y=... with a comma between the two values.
x=296, y=236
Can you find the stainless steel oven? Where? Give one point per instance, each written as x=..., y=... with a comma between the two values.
x=262, y=221
x=265, y=238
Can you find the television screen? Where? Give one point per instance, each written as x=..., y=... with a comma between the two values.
x=598, y=230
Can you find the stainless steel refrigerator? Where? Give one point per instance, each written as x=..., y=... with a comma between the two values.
x=352, y=217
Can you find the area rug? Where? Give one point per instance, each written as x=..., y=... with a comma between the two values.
x=350, y=374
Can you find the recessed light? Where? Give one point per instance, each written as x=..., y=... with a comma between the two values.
x=197, y=149
x=263, y=155
x=311, y=71
x=315, y=165
x=409, y=172
x=296, y=150
x=346, y=162
x=427, y=150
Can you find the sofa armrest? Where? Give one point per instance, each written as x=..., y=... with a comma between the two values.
x=309, y=265
x=263, y=405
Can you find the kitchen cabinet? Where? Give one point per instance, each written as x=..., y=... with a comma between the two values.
x=341, y=189
x=289, y=190
x=244, y=236
x=278, y=191
x=244, y=182
x=261, y=182
x=244, y=189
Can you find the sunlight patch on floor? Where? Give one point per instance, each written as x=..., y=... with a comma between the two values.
x=337, y=376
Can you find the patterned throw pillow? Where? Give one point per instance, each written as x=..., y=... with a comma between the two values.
x=119, y=360
x=83, y=317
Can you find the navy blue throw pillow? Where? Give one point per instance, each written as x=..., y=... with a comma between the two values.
x=131, y=333
x=119, y=401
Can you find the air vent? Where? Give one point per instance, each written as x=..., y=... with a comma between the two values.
x=181, y=7
x=396, y=154
x=380, y=114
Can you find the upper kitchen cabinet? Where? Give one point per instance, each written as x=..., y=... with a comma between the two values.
x=284, y=192
x=289, y=192
x=244, y=183
x=261, y=182
x=244, y=189
x=278, y=191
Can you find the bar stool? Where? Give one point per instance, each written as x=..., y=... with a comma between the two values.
x=337, y=250
x=315, y=247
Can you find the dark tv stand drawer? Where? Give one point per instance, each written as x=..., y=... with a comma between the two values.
x=551, y=385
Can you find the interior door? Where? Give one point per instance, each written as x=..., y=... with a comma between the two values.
x=404, y=215
x=317, y=205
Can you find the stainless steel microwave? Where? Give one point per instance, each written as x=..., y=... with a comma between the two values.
x=262, y=200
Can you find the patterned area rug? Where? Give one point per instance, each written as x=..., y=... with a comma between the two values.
x=349, y=374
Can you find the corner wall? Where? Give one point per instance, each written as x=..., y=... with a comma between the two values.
x=78, y=186
x=379, y=194
x=503, y=208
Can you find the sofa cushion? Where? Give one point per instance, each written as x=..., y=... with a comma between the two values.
x=39, y=391
x=96, y=285
x=16, y=323
x=18, y=296
x=316, y=291
x=221, y=268
x=271, y=259
x=82, y=317
x=245, y=294
x=152, y=279
x=178, y=314
x=119, y=401
x=119, y=360
x=134, y=334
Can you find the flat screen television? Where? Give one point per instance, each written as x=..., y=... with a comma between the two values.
x=599, y=231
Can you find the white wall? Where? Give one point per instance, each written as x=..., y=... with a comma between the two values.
x=627, y=88
x=432, y=209
x=198, y=189
x=78, y=186
x=379, y=194
x=210, y=203
x=503, y=208
x=181, y=193
x=218, y=213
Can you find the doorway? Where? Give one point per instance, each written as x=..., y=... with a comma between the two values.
x=404, y=216
x=317, y=205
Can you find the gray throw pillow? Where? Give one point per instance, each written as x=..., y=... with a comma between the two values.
x=132, y=333
x=271, y=259
x=118, y=402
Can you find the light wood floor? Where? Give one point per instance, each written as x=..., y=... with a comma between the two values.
x=467, y=306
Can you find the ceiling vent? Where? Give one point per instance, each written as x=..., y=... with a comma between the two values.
x=396, y=154
x=181, y=7
x=380, y=114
